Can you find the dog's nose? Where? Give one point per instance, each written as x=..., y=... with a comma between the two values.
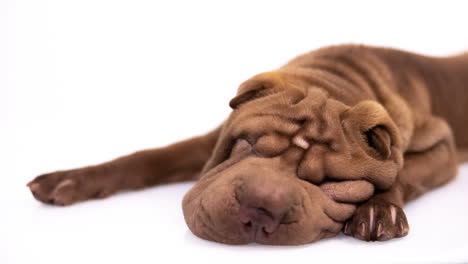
x=264, y=202
x=256, y=220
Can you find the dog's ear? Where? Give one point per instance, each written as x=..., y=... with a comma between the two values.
x=378, y=138
x=374, y=129
x=258, y=86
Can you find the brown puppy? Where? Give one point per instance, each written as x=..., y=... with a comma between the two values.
x=337, y=139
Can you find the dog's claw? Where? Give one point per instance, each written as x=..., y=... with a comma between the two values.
x=33, y=186
x=346, y=228
x=379, y=231
x=362, y=230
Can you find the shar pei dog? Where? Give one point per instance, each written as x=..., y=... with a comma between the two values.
x=338, y=139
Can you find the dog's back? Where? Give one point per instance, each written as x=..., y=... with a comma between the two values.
x=451, y=99
x=446, y=80
x=429, y=85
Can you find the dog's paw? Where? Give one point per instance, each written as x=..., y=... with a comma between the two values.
x=377, y=220
x=57, y=188
x=66, y=187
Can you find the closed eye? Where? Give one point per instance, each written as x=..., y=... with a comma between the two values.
x=241, y=147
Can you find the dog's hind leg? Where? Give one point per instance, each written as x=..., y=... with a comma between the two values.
x=430, y=162
x=181, y=161
x=462, y=155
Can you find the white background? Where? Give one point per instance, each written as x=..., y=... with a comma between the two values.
x=85, y=81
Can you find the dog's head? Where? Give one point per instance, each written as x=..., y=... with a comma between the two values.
x=290, y=164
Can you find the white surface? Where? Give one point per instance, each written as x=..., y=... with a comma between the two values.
x=82, y=82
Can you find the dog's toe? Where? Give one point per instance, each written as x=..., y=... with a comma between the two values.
x=63, y=194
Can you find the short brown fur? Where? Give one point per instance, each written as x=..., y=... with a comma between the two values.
x=338, y=139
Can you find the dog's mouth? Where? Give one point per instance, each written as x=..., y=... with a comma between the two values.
x=233, y=223
x=230, y=221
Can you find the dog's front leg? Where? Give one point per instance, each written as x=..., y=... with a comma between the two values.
x=429, y=162
x=178, y=162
